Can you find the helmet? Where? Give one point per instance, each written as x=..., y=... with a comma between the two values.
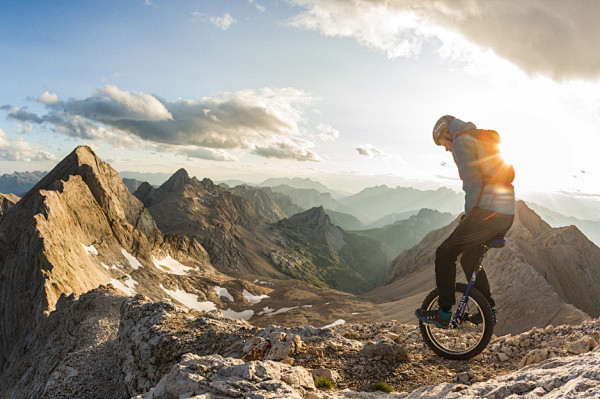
x=440, y=130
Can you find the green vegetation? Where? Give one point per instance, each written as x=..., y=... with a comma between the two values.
x=324, y=383
x=382, y=386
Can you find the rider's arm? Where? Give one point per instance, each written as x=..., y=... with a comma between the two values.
x=463, y=150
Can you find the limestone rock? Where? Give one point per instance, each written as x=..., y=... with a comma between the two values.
x=580, y=346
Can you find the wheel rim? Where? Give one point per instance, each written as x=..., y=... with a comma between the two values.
x=462, y=339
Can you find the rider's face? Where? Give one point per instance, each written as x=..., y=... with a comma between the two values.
x=447, y=144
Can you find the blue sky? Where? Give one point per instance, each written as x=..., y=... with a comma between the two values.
x=345, y=92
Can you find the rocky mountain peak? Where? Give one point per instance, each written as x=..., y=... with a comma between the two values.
x=313, y=223
x=314, y=218
x=530, y=224
x=177, y=181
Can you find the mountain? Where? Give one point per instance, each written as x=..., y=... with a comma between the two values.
x=577, y=205
x=344, y=220
x=543, y=276
x=131, y=184
x=404, y=234
x=306, y=246
x=307, y=198
x=271, y=206
x=77, y=244
x=79, y=227
x=343, y=260
x=391, y=218
x=154, y=178
x=19, y=182
x=6, y=202
x=228, y=226
x=298, y=182
x=374, y=203
x=591, y=228
x=232, y=183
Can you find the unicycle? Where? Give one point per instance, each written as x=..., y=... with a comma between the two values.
x=472, y=322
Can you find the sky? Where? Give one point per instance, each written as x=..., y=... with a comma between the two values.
x=344, y=92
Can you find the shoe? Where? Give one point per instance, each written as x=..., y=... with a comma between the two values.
x=477, y=319
x=437, y=317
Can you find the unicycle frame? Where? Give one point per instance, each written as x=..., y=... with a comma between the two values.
x=460, y=310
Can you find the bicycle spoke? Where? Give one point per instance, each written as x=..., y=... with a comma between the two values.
x=465, y=337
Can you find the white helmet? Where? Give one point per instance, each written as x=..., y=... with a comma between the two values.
x=440, y=130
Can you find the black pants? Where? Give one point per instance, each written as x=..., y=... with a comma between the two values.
x=479, y=227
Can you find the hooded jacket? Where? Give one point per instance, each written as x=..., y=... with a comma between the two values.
x=470, y=157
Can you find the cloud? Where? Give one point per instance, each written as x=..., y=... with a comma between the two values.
x=111, y=104
x=23, y=115
x=549, y=37
x=207, y=153
x=268, y=121
x=223, y=22
x=370, y=151
x=296, y=150
x=326, y=132
x=48, y=98
x=258, y=6
x=12, y=149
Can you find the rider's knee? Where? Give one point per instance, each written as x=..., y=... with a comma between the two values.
x=444, y=253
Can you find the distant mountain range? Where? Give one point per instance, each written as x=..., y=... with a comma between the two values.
x=240, y=234
x=404, y=234
x=591, y=228
x=302, y=183
x=377, y=202
x=19, y=183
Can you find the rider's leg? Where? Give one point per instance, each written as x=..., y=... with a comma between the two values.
x=470, y=261
x=472, y=231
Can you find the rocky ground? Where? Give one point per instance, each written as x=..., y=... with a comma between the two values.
x=230, y=358
x=156, y=350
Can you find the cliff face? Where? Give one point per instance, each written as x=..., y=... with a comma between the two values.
x=226, y=225
x=544, y=275
x=79, y=227
x=271, y=206
x=6, y=202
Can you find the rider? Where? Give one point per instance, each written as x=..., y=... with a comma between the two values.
x=489, y=213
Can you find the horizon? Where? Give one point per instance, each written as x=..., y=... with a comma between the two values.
x=344, y=94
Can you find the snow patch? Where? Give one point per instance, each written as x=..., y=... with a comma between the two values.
x=90, y=250
x=266, y=310
x=133, y=262
x=307, y=306
x=172, y=265
x=222, y=292
x=355, y=313
x=261, y=282
x=282, y=310
x=253, y=298
x=243, y=315
x=127, y=287
x=189, y=300
x=338, y=322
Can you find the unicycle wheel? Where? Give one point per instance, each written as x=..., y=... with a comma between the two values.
x=467, y=339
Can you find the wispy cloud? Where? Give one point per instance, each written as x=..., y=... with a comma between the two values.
x=269, y=122
x=258, y=6
x=553, y=38
x=327, y=132
x=371, y=151
x=17, y=149
x=222, y=23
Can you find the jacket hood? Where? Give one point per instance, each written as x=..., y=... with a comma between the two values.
x=457, y=126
